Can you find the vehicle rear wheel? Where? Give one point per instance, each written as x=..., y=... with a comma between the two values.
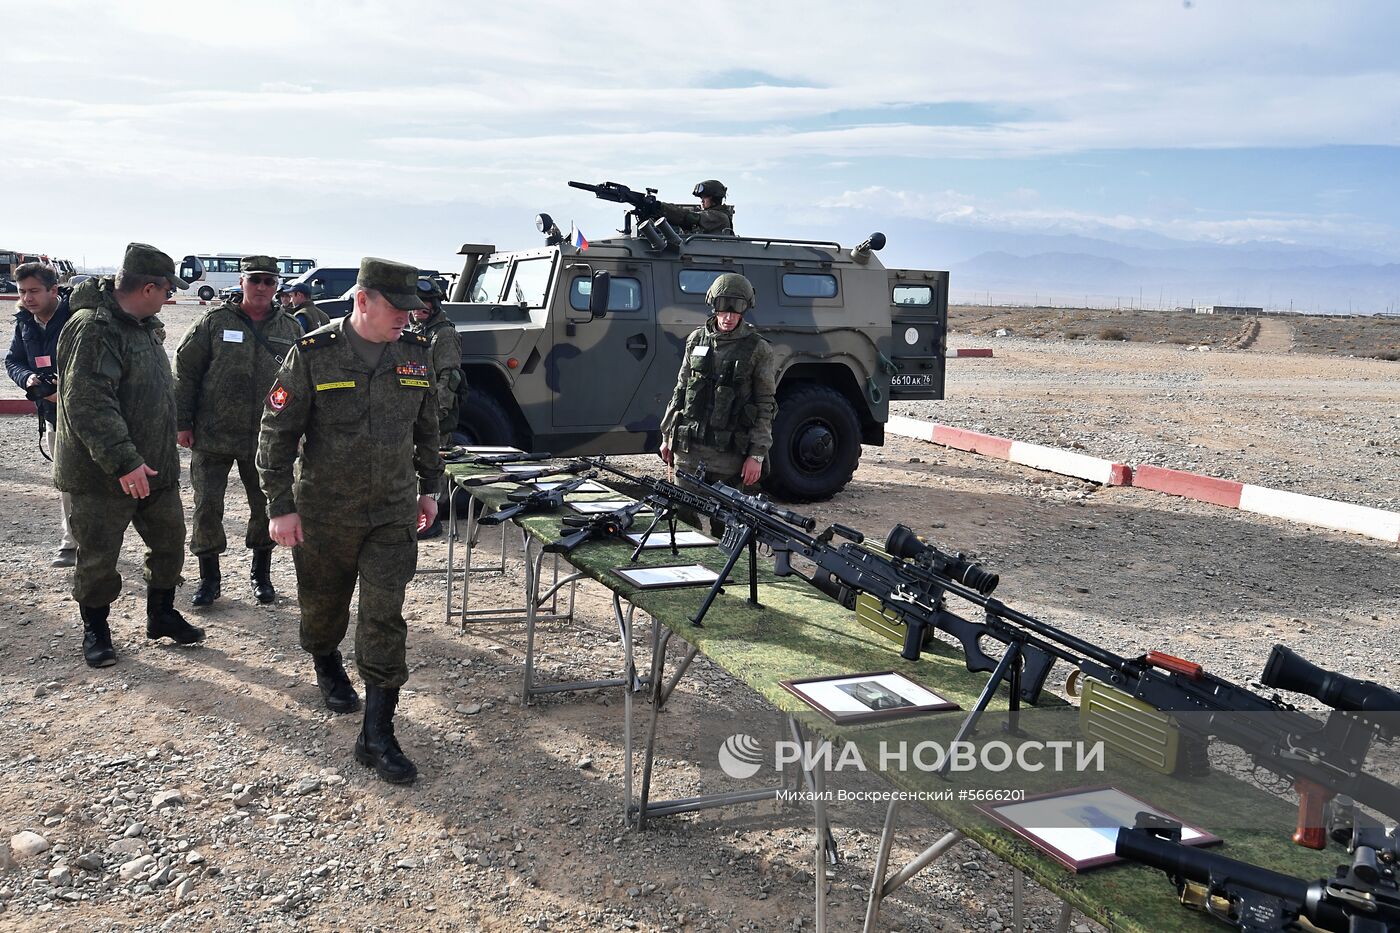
x=206, y=293
x=816, y=445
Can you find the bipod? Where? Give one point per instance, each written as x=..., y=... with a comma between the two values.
x=669, y=514
x=1008, y=669
x=736, y=542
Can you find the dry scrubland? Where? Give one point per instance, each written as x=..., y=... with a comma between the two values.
x=515, y=823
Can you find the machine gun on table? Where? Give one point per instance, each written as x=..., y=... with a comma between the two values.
x=1321, y=759
x=1361, y=897
x=524, y=501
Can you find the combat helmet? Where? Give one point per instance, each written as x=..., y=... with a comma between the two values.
x=732, y=290
x=710, y=188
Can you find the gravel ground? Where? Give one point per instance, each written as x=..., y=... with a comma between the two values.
x=207, y=788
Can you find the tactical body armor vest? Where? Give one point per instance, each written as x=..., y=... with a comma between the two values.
x=719, y=407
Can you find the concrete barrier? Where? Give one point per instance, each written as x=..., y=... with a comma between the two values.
x=980, y=351
x=16, y=406
x=1290, y=506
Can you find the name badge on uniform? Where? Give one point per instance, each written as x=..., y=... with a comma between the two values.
x=701, y=349
x=233, y=336
x=415, y=383
x=43, y=361
x=323, y=386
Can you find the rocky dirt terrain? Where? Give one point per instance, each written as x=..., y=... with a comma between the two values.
x=207, y=788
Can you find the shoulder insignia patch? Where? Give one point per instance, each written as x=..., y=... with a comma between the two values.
x=325, y=338
x=414, y=338
x=278, y=398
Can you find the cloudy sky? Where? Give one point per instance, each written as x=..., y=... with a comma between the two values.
x=339, y=129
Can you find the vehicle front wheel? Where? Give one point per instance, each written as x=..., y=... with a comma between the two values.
x=816, y=445
x=206, y=293
x=483, y=421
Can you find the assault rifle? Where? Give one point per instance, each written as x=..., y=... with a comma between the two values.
x=1321, y=759
x=525, y=476
x=580, y=528
x=462, y=455
x=535, y=500
x=1361, y=897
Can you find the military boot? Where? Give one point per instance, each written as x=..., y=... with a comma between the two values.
x=336, y=689
x=162, y=621
x=376, y=747
x=209, y=580
x=262, y=576
x=97, y=637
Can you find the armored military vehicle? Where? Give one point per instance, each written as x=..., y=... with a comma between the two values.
x=576, y=350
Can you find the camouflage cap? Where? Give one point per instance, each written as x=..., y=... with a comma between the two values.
x=397, y=282
x=255, y=264
x=145, y=259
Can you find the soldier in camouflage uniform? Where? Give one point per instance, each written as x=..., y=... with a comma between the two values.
x=223, y=370
x=116, y=449
x=358, y=398
x=714, y=215
x=721, y=413
x=446, y=353
x=304, y=309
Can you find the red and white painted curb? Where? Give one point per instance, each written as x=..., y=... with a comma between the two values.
x=1290, y=506
x=981, y=351
x=16, y=406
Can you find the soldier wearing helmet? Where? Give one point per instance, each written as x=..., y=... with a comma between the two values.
x=721, y=413
x=714, y=216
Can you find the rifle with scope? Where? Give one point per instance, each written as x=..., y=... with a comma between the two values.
x=1321, y=759
x=524, y=501
x=1361, y=897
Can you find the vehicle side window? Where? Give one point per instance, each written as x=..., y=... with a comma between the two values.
x=912, y=295
x=623, y=294
x=698, y=281
x=529, y=283
x=486, y=286
x=809, y=285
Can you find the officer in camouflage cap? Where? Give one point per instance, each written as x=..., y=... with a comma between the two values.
x=721, y=413
x=304, y=309
x=446, y=352
x=714, y=216
x=115, y=449
x=357, y=397
x=223, y=370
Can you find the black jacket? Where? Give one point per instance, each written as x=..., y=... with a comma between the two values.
x=34, y=350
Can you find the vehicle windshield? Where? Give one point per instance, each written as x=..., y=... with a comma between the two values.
x=487, y=283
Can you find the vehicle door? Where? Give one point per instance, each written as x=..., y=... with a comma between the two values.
x=597, y=365
x=919, y=321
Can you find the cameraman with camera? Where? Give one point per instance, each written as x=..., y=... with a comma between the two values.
x=31, y=362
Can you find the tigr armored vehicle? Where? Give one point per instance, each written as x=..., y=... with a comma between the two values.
x=576, y=351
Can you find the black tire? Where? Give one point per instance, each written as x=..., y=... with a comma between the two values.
x=816, y=445
x=483, y=421
x=206, y=293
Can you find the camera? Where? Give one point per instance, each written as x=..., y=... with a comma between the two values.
x=46, y=386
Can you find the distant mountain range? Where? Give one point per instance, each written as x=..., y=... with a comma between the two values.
x=1139, y=269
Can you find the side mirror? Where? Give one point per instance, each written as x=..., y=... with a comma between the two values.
x=191, y=269
x=598, y=295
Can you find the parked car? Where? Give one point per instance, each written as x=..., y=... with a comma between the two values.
x=327, y=281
